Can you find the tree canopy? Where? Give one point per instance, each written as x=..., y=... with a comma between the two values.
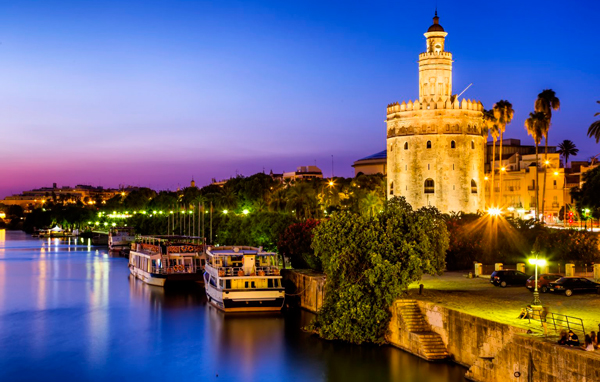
x=369, y=261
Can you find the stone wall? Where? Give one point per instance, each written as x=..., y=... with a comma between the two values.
x=305, y=288
x=496, y=352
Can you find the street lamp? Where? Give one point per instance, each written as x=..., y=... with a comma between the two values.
x=536, y=294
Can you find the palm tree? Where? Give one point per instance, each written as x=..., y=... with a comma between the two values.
x=545, y=103
x=490, y=123
x=535, y=126
x=504, y=113
x=567, y=148
x=594, y=129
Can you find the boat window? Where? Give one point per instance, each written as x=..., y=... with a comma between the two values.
x=270, y=283
x=246, y=284
x=228, y=284
x=212, y=282
x=221, y=283
x=253, y=285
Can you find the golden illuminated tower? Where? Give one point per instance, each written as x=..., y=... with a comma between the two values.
x=436, y=144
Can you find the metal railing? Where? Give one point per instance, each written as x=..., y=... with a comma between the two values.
x=239, y=271
x=560, y=321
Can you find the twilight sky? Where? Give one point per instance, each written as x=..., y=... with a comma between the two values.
x=151, y=93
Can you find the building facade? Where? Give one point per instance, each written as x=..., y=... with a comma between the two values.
x=436, y=144
x=515, y=179
x=373, y=164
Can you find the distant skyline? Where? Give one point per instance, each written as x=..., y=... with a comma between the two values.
x=153, y=93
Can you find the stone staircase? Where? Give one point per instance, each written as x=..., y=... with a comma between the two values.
x=431, y=346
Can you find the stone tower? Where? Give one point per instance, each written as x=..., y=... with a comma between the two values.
x=436, y=144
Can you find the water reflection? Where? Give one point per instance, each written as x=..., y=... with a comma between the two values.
x=71, y=312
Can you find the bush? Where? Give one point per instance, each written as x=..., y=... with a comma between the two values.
x=295, y=243
x=369, y=262
x=566, y=245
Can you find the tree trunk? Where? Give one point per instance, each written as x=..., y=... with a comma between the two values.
x=493, y=171
x=537, y=187
x=500, y=159
x=545, y=172
x=564, y=191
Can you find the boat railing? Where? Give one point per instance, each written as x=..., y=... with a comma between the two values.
x=239, y=271
x=176, y=269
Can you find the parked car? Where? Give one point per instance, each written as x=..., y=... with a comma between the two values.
x=543, y=281
x=508, y=277
x=569, y=285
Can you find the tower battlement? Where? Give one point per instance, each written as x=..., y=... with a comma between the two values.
x=444, y=54
x=397, y=109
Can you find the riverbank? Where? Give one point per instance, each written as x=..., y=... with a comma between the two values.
x=474, y=324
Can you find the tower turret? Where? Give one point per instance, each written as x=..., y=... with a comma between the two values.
x=435, y=66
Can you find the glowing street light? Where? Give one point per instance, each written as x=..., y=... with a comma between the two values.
x=494, y=211
x=555, y=173
x=536, y=294
x=331, y=183
x=225, y=212
x=503, y=169
x=245, y=212
x=485, y=178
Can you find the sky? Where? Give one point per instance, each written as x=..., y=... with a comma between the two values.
x=153, y=93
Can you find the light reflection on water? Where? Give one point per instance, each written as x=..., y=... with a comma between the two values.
x=70, y=312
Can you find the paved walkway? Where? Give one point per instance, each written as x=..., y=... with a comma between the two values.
x=479, y=297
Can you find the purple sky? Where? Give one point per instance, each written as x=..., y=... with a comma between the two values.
x=151, y=93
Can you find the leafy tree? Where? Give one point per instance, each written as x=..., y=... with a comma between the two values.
x=594, y=129
x=536, y=125
x=567, y=149
x=545, y=103
x=139, y=199
x=369, y=261
x=588, y=195
x=295, y=244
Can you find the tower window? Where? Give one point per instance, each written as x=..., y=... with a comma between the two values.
x=392, y=188
x=473, y=186
x=428, y=144
x=452, y=166
x=472, y=145
x=452, y=145
x=429, y=186
x=405, y=145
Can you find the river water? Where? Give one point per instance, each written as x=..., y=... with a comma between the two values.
x=70, y=312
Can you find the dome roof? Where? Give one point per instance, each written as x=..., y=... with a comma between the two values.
x=436, y=27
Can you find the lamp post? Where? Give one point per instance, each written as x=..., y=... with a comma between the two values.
x=536, y=294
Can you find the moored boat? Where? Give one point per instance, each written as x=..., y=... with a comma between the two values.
x=157, y=260
x=241, y=278
x=120, y=239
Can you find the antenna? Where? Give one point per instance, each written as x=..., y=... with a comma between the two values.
x=461, y=93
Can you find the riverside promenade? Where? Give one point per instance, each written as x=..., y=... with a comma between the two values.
x=477, y=322
x=478, y=297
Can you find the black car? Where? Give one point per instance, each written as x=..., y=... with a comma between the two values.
x=568, y=285
x=504, y=278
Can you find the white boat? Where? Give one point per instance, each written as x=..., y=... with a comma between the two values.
x=120, y=239
x=157, y=260
x=243, y=278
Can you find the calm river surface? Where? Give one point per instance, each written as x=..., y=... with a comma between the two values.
x=71, y=313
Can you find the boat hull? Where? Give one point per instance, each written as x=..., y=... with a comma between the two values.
x=162, y=279
x=270, y=300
